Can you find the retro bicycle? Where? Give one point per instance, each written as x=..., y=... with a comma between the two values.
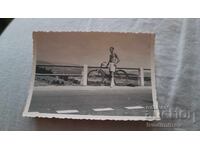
x=102, y=76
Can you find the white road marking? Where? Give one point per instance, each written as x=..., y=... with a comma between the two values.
x=103, y=109
x=134, y=107
x=67, y=111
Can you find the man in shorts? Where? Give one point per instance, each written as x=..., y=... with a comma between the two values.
x=112, y=64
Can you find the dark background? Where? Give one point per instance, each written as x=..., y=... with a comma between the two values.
x=4, y=22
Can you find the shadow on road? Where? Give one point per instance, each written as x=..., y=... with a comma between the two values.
x=90, y=125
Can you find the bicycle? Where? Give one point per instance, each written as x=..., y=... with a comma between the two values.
x=100, y=77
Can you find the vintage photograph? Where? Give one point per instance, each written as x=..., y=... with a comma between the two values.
x=93, y=75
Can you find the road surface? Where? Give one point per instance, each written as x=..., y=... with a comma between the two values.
x=117, y=101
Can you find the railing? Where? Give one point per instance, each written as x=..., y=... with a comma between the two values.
x=80, y=73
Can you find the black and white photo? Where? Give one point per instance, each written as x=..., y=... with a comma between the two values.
x=93, y=75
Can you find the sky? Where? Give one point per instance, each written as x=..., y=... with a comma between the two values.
x=92, y=48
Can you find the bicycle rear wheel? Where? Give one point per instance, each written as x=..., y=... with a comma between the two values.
x=95, y=78
x=121, y=78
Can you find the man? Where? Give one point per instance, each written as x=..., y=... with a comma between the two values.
x=113, y=60
x=112, y=63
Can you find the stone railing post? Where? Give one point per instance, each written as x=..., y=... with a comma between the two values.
x=84, y=75
x=141, y=71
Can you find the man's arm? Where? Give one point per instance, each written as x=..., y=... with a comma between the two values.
x=118, y=60
x=108, y=62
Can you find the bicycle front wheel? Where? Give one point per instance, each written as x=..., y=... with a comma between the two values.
x=95, y=78
x=121, y=78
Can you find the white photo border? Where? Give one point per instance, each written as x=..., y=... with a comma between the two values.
x=156, y=114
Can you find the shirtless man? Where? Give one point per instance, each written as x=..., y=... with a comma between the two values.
x=113, y=60
x=112, y=63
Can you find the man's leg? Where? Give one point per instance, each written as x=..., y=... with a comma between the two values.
x=112, y=83
x=112, y=70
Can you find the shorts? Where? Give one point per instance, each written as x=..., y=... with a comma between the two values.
x=112, y=67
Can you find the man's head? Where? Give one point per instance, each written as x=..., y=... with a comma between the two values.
x=111, y=49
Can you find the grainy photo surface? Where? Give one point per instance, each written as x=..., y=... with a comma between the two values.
x=93, y=75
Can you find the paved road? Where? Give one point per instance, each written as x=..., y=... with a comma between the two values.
x=129, y=101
